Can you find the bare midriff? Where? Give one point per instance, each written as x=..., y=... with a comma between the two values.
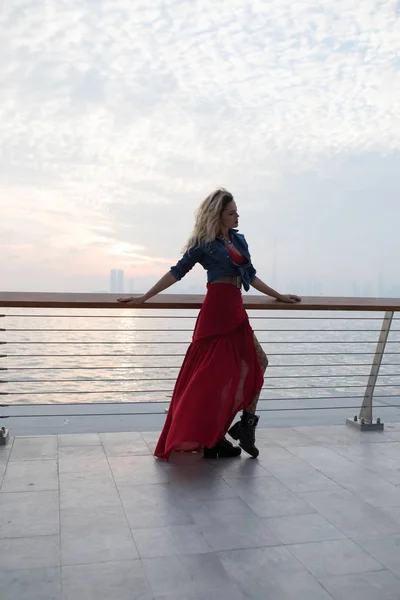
x=236, y=281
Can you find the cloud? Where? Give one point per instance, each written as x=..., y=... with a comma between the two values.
x=118, y=117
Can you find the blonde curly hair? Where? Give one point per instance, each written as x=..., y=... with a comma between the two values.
x=207, y=218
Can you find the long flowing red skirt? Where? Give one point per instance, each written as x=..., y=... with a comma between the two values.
x=220, y=375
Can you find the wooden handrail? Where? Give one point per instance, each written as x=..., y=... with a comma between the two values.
x=190, y=301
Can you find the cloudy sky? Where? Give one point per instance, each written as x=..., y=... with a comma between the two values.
x=117, y=119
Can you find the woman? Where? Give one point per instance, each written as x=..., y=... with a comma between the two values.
x=223, y=370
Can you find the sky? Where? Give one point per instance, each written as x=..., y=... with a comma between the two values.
x=117, y=118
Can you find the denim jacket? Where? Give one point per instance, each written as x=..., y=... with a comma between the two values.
x=215, y=259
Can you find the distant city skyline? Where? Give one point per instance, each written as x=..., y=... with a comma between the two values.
x=119, y=283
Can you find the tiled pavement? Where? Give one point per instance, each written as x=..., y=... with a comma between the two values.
x=92, y=516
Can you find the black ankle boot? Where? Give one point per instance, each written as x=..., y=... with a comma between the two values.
x=222, y=449
x=244, y=431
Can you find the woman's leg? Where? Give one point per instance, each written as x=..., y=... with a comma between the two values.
x=244, y=430
x=262, y=357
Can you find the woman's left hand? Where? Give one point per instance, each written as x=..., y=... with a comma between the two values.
x=289, y=298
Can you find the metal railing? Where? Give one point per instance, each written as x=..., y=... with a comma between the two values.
x=326, y=354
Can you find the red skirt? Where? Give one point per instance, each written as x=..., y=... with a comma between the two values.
x=220, y=375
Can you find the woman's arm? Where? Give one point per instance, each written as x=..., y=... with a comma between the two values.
x=265, y=289
x=176, y=273
x=165, y=282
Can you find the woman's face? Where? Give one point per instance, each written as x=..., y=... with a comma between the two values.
x=229, y=216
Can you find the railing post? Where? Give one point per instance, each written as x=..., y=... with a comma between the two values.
x=4, y=433
x=365, y=420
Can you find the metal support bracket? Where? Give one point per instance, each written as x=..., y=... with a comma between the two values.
x=364, y=422
x=4, y=433
x=4, y=436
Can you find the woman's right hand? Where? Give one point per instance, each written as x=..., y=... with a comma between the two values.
x=133, y=299
x=290, y=298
